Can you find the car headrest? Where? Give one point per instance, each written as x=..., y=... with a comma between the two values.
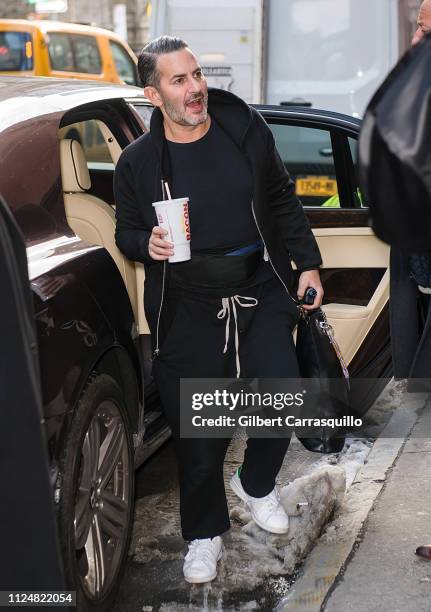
x=74, y=171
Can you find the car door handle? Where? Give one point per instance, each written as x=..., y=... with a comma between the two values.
x=296, y=102
x=326, y=152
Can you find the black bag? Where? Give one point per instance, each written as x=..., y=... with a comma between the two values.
x=320, y=359
x=395, y=153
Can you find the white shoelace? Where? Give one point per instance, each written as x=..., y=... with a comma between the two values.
x=202, y=549
x=272, y=503
x=243, y=301
x=274, y=500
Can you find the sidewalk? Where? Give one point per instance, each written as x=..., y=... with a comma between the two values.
x=365, y=558
x=384, y=573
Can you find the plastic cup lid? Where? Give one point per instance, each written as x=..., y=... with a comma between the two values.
x=175, y=201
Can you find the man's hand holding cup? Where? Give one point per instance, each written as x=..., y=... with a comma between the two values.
x=159, y=248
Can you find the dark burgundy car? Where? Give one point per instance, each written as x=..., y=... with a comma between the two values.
x=59, y=142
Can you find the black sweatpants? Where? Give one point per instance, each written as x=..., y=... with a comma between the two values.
x=192, y=347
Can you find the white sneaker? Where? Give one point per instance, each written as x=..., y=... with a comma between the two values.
x=267, y=512
x=200, y=563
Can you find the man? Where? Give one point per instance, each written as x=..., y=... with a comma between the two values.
x=410, y=293
x=423, y=22
x=212, y=147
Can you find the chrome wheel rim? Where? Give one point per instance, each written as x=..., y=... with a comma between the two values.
x=102, y=500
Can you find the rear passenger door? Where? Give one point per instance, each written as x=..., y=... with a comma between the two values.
x=320, y=151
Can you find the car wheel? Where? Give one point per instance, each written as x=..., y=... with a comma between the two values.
x=96, y=494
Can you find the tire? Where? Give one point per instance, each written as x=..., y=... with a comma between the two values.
x=95, y=522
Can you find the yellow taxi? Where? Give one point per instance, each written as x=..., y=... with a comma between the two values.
x=56, y=49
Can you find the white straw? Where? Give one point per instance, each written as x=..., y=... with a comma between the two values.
x=167, y=191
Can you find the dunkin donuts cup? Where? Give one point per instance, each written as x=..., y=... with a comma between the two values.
x=173, y=216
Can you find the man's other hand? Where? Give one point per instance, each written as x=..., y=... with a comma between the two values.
x=158, y=248
x=310, y=278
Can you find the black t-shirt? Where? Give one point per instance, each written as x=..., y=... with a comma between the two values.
x=214, y=174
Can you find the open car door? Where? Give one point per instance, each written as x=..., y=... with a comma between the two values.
x=30, y=559
x=319, y=148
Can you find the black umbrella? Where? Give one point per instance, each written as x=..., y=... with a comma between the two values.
x=395, y=153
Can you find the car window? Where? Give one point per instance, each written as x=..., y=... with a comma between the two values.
x=87, y=56
x=74, y=53
x=60, y=52
x=308, y=155
x=16, y=51
x=123, y=63
x=89, y=135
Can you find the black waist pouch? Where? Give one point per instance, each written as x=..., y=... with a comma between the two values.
x=215, y=271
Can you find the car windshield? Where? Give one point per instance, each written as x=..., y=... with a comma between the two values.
x=16, y=51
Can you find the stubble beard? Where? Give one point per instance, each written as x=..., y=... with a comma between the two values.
x=179, y=116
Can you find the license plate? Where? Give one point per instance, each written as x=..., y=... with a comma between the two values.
x=317, y=186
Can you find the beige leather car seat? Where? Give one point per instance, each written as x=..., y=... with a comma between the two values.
x=92, y=219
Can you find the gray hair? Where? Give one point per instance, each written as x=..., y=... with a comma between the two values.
x=147, y=61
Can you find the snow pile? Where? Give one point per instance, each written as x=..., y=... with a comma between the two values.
x=322, y=488
x=259, y=553
x=351, y=459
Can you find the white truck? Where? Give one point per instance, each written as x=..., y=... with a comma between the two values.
x=330, y=54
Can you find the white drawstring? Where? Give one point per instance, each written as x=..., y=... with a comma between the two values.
x=226, y=304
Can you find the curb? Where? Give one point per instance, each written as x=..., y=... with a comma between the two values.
x=333, y=549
